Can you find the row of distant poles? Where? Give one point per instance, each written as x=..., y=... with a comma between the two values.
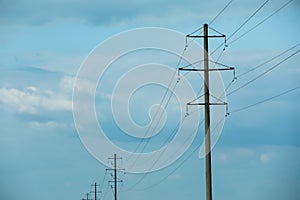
x=114, y=182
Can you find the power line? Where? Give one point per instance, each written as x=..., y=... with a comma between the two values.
x=105, y=193
x=272, y=14
x=258, y=66
x=102, y=182
x=195, y=149
x=271, y=59
x=234, y=111
x=251, y=81
x=183, y=162
x=264, y=73
x=250, y=70
x=168, y=138
x=254, y=27
x=179, y=124
x=243, y=24
x=156, y=113
x=211, y=22
x=265, y=100
x=144, y=176
x=237, y=110
x=198, y=29
x=160, y=117
x=214, y=19
x=180, y=62
x=164, y=97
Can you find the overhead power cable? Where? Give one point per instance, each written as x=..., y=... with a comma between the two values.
x=166, y=93
x=265, y=19
x=258, y=76
x=181, y=163
x=226, y=6
x=264, y=73
x=161, y=104
x=242, y=25
x=195, y=149
x=167, y=90
x=168, y=138
x=265, y=100
x=268, y=61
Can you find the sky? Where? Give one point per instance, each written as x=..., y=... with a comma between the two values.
x=44, y=45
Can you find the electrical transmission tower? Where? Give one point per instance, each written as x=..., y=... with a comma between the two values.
x=115, y=180
x=95, y=185
x=207, y=104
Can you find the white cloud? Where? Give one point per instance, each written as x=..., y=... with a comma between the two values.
x=84, y=86
x=50, y=124
x=265, y=158
x=257, y=155
x=222, y=157
x=176, y=177
x=31, y=89
x=234, y=154
x=67, y=83
x=32, y=101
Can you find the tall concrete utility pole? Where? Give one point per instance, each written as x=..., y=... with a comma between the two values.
x=207, y=116
x=207, y=103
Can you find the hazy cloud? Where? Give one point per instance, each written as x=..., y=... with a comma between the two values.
x=30, y=101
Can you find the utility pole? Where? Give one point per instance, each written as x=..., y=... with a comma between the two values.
x=95, y=190
x=207, y=116
x=87, y=197
x=207, y=103
x=115, y=172
x=115, y=176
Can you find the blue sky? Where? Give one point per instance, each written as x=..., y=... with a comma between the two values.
x=43, y=44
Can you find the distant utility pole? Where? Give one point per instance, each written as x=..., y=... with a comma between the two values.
x=87, y=197
x=115, y=176
x=207, y=104
x=95, y=185
x=115, y=172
